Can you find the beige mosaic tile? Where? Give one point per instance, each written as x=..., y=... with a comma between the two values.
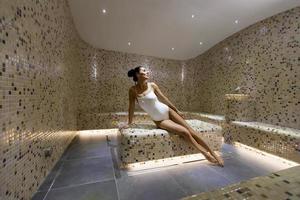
x=104, y=83
x=38, y=74
x=283, y=142
x=263, y=60
x=145, y=142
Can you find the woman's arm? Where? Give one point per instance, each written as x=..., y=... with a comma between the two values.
x=162, y=96
x=131, y=105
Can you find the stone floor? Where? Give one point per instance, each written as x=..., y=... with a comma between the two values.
x=88, y=170
x=283, y=184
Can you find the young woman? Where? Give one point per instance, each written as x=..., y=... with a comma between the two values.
x=166, y=117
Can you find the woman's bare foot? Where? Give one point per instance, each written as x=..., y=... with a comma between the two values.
x=210, y=158
x=219, y=159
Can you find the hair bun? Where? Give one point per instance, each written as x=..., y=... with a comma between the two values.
x=131, y=73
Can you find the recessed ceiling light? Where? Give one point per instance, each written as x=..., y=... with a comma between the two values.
x=193, y=16
x=129, y=43
x=236, y=21
x=103, y=11
x=200, y=43
x=173, y=48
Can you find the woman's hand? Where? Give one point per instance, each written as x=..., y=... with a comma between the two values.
x=124, y=126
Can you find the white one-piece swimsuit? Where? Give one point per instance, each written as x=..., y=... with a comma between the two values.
x=149, y=103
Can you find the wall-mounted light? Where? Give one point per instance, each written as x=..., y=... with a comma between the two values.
x=236, y=21
x=104, y=11
x=172, y=48
x=200, y=43
x=129, y=43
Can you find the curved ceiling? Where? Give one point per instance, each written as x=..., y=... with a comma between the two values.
x=170, y=29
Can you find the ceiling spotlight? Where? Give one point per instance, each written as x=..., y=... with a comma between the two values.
x=236, y=21
x=129, y=43
x=103, y=11
x=193, y=16
x=173, y=48
x=200, y=43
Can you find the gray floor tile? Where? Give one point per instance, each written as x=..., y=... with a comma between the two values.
x=39, y=195
x=91, y=138
x=235, y=170
x=105, y=190
x=114, y=140
x=155, y=185
x=82, y=171
x=229, y=149
x=50, y=177
x=93, y=149
x=116, y=162
x=88, y=173
x=197, y=177
x=263, y=165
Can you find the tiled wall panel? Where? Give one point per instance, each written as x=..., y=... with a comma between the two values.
x=263, y=59
x=104, y=82
x=38, y=102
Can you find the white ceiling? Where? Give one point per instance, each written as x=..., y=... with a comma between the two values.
x=154, y=27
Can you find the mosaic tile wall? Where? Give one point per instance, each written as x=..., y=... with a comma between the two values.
x=49, y=77
x=105, y=84
x=38, y=95
x=264, y=60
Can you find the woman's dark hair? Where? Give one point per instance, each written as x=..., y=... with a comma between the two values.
x=132, y=73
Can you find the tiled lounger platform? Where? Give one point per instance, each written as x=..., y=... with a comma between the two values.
x=283, y=184
x=145, y=143
x=111, y=119
x=281, y=141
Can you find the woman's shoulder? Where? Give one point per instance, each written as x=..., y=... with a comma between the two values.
x=153, y=84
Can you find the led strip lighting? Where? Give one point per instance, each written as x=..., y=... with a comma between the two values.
x=269, y=155
x=177, y=160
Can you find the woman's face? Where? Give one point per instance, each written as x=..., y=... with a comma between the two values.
x=144, y=74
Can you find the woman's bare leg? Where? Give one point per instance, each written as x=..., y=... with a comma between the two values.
x=171, y=126
x=178, y=119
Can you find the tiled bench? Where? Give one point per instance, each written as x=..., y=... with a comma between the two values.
x=108, y=120
x=283, y=184
x=281, y=141
x=144, y=143
x=206, y=117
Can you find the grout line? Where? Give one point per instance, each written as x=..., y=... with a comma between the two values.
x=60, y=168
x=116, y=162
x=56, y=175
x=186, y=193
x=229, y=180
x=82, y=184
x=115, y=179
x=83, y=158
